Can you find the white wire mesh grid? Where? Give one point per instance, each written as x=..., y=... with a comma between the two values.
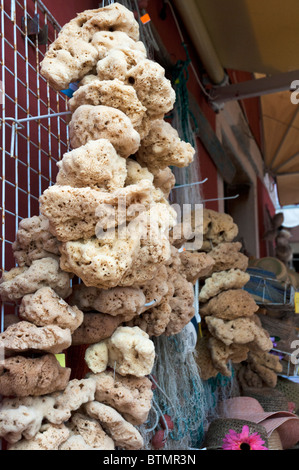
x=39, y=144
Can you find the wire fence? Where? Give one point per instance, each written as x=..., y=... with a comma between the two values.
x=30, y=147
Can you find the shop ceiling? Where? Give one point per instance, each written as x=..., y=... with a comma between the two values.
x=260, y=37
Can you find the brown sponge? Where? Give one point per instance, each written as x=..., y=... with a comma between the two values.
x=21, y=376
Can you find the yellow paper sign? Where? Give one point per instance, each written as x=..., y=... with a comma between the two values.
x=297, y=302
x=61, y=359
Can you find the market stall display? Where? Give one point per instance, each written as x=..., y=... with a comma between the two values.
x=163, y=312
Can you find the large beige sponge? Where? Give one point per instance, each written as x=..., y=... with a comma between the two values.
x=22, y=376
x=239, y=331
x=95, y=165
x=114, y=17
x=24, y=336
x=129, y=256
x=224, y=280
x=44, y=272
x=131, y=352
x=81, y=213
x=196, y=265
x=24, y=417
x=112, y=93
x=71, y=56
x=103, y=122
x=162, y=147
x=154, y=249
x=230, y=304
x=67, y=60
x=45, y=307
x=100, y=263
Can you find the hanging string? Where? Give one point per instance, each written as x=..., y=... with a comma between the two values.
x=180, y=78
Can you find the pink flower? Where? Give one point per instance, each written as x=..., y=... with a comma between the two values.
x=243, y=440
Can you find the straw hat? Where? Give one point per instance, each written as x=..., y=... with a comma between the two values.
x=220, y=427
x=270, y=399
x=247, y=408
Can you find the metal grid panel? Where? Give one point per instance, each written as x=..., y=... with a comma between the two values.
x=30, y=167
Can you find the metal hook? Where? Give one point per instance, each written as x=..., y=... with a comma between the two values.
x=17, y=124
x=221, y=199
x=190, y=184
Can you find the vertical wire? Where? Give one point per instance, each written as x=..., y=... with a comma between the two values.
x=49, y=120
x=58, y=120
x=16, y=117
x=3, y=153
x=27, y=112
x=38, y=109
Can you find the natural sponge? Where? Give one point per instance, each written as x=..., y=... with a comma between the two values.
x=239, y=331
x=24, y=336
x=196, y=265
x=230, y=304
x=114, y=17
x=95, y=328
x=224, y=280
x=50, y=437
x=218, y=228
x=227, y=256
x=23, y=417
x=91, y=433
x=95, y=165
x=34, y=241
x=130, y=396
x=123, y=433
x=155, y=320
x=125, y=301
x=77, y=213
x=45, y=307
x=153, y=89
x=129, y=256
x=96, y=357
x=71, y=56
x=112, y=93
x=131, y=352
x=103, y=122
x=44, y=272
x=21, y=376
x=162, y=147
x=105, y=41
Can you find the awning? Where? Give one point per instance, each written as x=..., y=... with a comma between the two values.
x=281, y=144
x=260, y=37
